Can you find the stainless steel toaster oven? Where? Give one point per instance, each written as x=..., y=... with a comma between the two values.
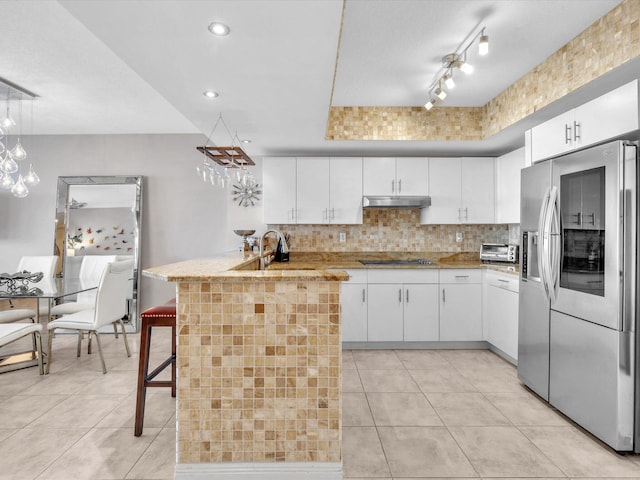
x=499, y=252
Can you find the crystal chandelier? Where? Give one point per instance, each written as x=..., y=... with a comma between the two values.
x=14, y=174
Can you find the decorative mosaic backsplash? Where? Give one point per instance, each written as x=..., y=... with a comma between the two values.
x=393, y=230
x=608, y=43
x=259, y=372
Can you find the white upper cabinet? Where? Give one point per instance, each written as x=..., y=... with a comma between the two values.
x=412, y=176
x=279, y=179
x=312, y=190
x=395, y=176
x=461, y=190
x=508, y=168
x=345, y=190
x=445, y=189
x=478, y=191
x=603, y=118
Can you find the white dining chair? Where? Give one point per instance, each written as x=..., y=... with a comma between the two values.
x=10, y=332
x=110, y=307
x=91, y=270
x=40, y=263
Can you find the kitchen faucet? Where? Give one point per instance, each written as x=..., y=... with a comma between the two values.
x=285, y=247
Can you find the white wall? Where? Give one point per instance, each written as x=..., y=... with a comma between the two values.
x=182, y=217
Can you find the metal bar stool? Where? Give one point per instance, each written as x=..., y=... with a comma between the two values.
x=159, y=316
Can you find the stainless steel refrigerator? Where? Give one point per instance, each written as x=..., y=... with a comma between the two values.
x=578, y=287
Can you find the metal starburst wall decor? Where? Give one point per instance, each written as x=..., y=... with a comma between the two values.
x=246, y=193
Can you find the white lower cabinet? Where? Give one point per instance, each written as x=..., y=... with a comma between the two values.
x=403, y=312
x=501, y=311
x=386, y=313
x=403, y=305
x=460, y=305
x=354, y=307
x=421, y=313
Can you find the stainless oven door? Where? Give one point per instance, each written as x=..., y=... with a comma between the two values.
x=589, y=248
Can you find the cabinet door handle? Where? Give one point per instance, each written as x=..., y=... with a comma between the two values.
x=293, y=214
x=444, y=299
x=459, y=214
x=593, y=218
x=393, y=186
x=400, y=295
x=364, y=298
x=567, y=134
x=578, y=218
x=400, y=186
x=333, y=213
x=462, y=276
x=407, y=297
x=576, y=132
x=466, y=214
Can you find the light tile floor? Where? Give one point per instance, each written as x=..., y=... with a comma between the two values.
x=406, y=414
x=461, y=414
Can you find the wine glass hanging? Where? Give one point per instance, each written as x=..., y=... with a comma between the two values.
x=15, y=176
x=224, y=166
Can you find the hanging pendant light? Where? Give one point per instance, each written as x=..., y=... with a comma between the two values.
x=9, y=165
x=32, y=177
x=20, y=190
x=8, y=122
x=6, y=181
x=18, y=152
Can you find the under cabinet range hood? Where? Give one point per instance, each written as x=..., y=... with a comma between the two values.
x=396, y=202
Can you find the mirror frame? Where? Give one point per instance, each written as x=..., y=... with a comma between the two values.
x=62, y=218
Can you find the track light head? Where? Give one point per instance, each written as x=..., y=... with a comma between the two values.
x=440, y=92
x=430, y=103
x=448, y=80
x=483, y=44
x=463, y=66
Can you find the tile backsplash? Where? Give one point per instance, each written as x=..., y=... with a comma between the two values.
x=393, y=230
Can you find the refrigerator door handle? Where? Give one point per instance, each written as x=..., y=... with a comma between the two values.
x=555, y=244
x=542, y=242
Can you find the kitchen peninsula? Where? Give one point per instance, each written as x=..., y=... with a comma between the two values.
x=259, y=369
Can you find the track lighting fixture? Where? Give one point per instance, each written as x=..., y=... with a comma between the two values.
x=456, y=61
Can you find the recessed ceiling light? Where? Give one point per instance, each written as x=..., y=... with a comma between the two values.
x=219, y=29
x=245, y=141
x=210, y=94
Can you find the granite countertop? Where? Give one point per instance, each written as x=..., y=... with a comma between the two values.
x=307, y=266
x=351, y=260
x=236, y=266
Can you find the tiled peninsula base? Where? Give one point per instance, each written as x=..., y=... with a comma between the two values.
x=259, y=379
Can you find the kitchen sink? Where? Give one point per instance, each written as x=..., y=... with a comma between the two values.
x=417, y=261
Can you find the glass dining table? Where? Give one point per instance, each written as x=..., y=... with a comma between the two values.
x=43, y=295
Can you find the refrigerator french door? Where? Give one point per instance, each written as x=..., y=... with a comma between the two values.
x=586, y=264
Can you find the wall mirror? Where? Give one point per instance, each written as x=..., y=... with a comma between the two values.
x=99, y=215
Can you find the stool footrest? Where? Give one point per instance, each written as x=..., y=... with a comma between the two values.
x=160, y=368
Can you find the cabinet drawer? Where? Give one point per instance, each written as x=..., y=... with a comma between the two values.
x=461, y=275
x=503, y=280
x=357, y=275
x=407, y=275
